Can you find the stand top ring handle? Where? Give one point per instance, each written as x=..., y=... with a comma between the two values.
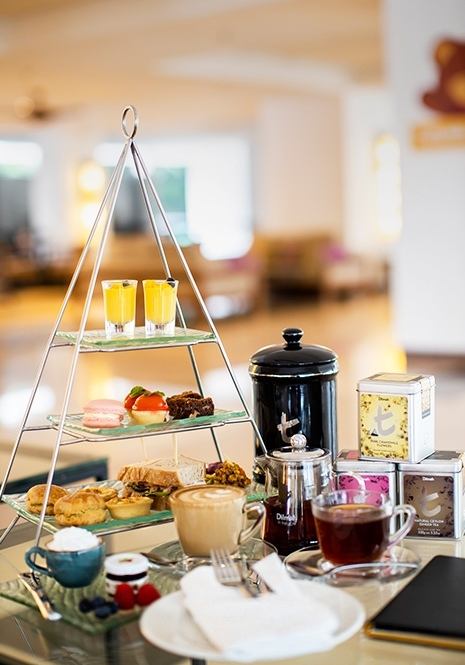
x=130, y=134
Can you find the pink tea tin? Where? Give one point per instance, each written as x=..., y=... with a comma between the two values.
x=377, y=475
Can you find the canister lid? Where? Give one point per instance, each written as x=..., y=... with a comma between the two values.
x=293, y=358
x=348, y=460
x=307, y=456
x=403, y=384
x=440, y=461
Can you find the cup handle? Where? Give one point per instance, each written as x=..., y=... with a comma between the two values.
x=32, y=564
x=247, y=533
x=405, y=528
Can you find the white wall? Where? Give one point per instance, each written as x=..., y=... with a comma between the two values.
x=429, y=269
x=296, y=180
x=49, y=192
x=298, y=165
x=53, y=193
x=366, y=114
x=218, y=185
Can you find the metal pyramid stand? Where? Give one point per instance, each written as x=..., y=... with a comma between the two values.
x=108, y=203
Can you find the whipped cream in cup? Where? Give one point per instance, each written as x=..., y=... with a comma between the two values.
x=73, y=539
x=74, y=557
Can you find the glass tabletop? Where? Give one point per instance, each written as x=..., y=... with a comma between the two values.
x=26, y=638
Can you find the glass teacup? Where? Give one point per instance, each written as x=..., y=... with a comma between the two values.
x=353, y=525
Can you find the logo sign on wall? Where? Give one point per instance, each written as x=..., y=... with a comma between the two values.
x=446, y=98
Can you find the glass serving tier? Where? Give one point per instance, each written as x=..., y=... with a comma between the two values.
x=96, y=340
x=67, y=601
x=165, y=578
x=129, y=429
x=18, y=503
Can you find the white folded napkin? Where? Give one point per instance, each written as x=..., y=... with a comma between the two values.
x=273, y=625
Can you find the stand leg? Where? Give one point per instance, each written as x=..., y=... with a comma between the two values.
x=197, y=293
x=166, y=268
x=85, y=314
x=58, y=321
x=8, y=529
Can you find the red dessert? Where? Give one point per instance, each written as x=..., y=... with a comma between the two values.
x=150, y=408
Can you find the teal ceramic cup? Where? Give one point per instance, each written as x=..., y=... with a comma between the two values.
x=70, y=569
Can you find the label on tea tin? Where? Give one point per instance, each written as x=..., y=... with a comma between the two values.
x=433, y=499
x=384, y=426
x=373, y=483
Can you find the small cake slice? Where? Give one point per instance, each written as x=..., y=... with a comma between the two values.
x=190, y=404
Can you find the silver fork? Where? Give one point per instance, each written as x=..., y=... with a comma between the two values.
x=229, y=574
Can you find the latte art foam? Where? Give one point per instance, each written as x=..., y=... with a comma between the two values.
x=209, y=495
x=212, y=517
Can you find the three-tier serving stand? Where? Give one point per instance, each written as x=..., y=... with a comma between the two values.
x=66, y=425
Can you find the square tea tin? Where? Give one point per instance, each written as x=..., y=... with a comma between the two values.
x=435, y=489
x=378, y=475
x=396, y=417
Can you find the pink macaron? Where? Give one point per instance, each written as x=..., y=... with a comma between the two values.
x=103, y=413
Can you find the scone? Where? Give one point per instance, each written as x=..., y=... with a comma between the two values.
x=133, y=506
x=107, y=493
x=80, y=509
x=35, y=498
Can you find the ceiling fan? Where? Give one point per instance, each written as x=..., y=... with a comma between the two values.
x=34, y=106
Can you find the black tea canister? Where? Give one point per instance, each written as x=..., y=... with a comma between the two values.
x=294, y=392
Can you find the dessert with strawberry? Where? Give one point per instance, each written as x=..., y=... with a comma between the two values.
x=132, y=395
x=150, y=408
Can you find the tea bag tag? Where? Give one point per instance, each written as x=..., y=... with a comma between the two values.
x=298, y=441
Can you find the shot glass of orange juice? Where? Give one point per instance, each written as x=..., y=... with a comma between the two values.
x=160, y=305
x=119, y=301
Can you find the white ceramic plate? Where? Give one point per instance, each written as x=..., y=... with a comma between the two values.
x=169, y=626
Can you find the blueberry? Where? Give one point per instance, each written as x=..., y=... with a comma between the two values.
x=103, y=612
x=98, y=601
x=113, y=607
x=86, y=605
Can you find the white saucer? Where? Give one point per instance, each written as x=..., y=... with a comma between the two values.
x=169, y=626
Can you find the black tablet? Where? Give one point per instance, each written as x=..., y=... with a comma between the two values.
x=430, y=610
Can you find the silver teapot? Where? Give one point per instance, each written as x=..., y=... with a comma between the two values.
x=294, y=475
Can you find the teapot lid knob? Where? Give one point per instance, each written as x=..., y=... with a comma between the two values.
x=292, y=337
x=298, y=441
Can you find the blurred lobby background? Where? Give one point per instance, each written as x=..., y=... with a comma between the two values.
x=310, y=156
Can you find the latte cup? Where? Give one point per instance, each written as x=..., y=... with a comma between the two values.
x=71, y=569
x=209, y=517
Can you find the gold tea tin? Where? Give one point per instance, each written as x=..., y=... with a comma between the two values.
x=396, y=417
